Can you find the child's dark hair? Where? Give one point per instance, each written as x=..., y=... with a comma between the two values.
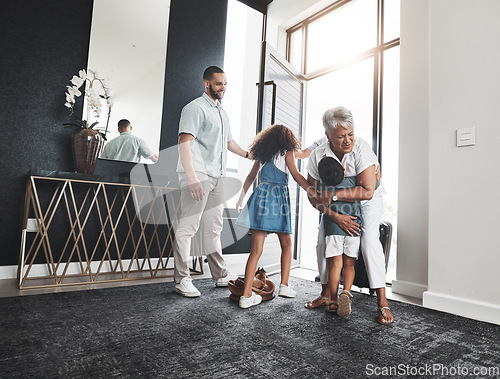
x=273, y=140
x=331, y=171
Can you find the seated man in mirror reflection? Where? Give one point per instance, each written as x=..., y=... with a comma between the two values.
x=127, y=147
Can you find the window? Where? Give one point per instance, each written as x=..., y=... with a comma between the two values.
x=348, y=54
x=351, y=30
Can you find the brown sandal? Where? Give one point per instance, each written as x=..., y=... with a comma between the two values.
x=345, y=302
x=330, y=306
x=316, y=303
x=382, y=312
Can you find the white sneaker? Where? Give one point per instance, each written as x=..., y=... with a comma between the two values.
x=222, y=282
x=186, y=288
x=286, y=291
x=247, y=302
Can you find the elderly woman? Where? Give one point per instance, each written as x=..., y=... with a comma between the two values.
x=358, y=160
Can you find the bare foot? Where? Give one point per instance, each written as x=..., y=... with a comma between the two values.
x=384, y=315
x=316, y=303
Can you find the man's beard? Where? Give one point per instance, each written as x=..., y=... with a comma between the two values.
x=214, y=94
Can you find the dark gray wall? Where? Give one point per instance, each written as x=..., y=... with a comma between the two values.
x=42, y=45
x=196, y=39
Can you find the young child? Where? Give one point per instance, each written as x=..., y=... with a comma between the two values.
x=341, y=249
x=268, y=208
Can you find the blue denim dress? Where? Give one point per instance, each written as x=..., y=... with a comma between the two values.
x=268, y=208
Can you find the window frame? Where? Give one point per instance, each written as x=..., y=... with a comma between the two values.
x=377, y=52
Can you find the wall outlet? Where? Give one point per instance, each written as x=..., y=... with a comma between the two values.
x=32, y=225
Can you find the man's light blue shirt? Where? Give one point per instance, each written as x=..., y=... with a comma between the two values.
x=208, y=123
x=127, y=147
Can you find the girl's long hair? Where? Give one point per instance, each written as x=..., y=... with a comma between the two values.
x=277, y=139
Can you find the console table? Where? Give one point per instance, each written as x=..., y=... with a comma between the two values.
x=81, y=228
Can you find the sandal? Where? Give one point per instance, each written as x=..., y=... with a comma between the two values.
x=382, y=312
x=345, y=302
x=330, y=306
x=316, y=303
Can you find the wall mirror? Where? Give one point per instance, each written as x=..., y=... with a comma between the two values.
x=128, y=43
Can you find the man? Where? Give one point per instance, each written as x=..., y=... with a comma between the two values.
x=204, y=138
x=127, y=147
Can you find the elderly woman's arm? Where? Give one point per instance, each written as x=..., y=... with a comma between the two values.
x=366, y=182
x=346, y=222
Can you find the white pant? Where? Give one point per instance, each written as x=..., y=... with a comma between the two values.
x=208, y=213
x=371, y=248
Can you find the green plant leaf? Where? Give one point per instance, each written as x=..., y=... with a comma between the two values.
x=71, y=125
x=82, y=123
x=94, y=124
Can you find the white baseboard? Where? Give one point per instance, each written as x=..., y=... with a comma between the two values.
x=41, y=270
x=476, y=310
x=8, y=272
x=236, y=261
x=408, y=288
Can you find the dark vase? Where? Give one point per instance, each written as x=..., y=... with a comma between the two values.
x=87, y=145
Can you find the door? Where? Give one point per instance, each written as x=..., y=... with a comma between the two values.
x=281, y=91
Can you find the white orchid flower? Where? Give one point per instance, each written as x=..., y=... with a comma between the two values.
x=91, y=92
x=94, y=102
x=74, y=91
x=77, y=81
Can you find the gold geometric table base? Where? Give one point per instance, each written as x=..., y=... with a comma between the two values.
x=91, y=231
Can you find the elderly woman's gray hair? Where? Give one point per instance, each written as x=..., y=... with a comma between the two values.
x=337, y=116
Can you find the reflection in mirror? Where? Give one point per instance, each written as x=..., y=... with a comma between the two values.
x=128, y=42
x=128, y=147
x=242, y=67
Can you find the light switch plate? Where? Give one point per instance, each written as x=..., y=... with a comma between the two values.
x=466, y=136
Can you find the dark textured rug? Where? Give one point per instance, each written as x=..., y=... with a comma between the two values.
x=149, y=331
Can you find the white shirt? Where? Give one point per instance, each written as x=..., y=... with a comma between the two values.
x=315, y=144
x=208, y=123
x=358, y=160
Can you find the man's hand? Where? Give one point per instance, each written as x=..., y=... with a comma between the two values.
x=195, y=189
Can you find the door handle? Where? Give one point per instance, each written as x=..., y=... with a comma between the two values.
x=273, y=103
x=273, y=106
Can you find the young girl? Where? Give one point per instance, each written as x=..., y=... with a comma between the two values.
x=268, y=208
